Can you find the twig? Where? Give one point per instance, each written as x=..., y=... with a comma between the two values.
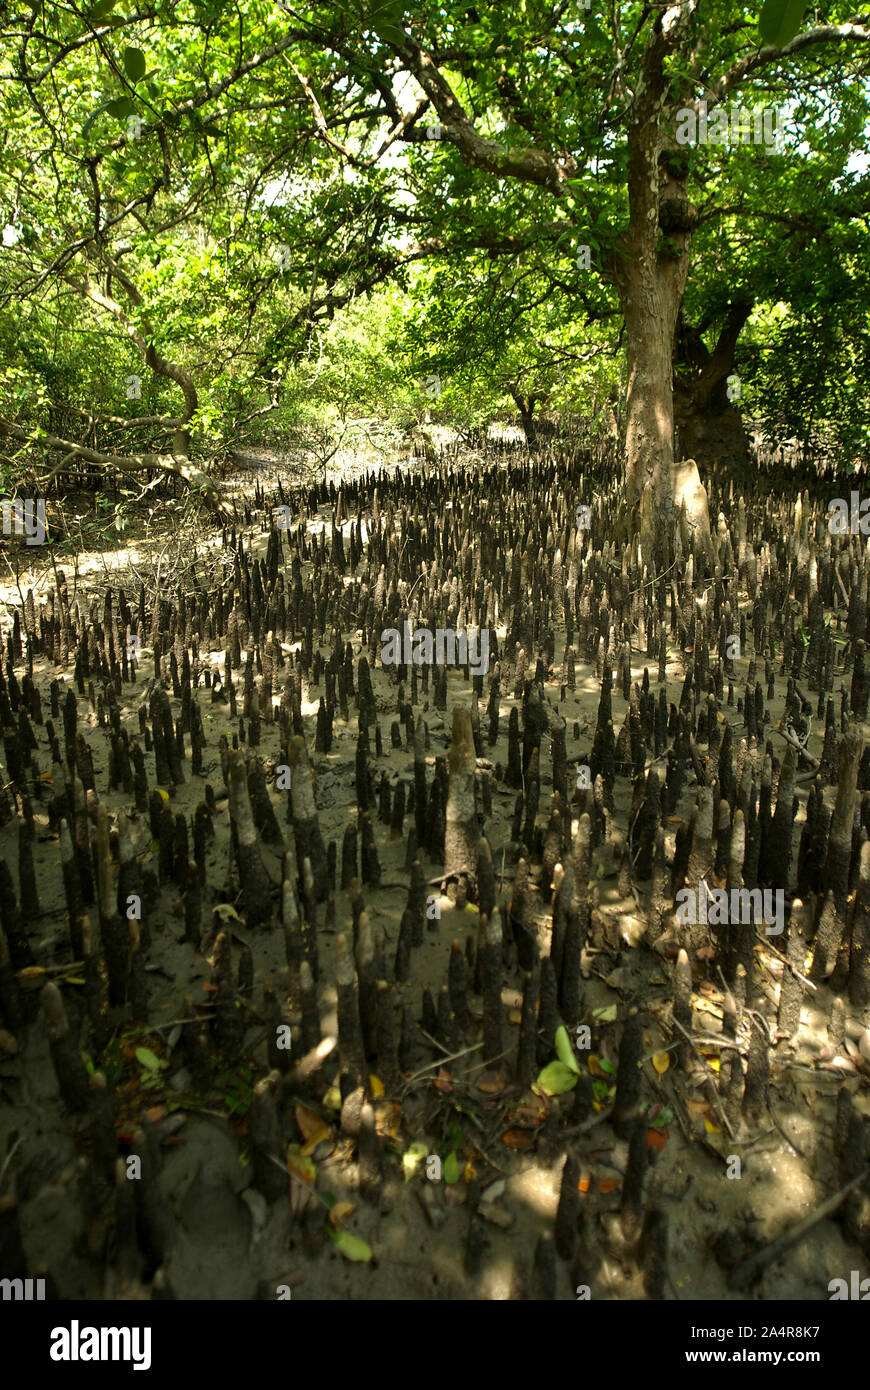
x=745, y=1273
x=714, y=1095
x=9, y=1158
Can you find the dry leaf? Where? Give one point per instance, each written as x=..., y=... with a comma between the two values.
x=492, y=1083
x=388, y=1118
x=661, y=1061
x=442, y=1082
x=310, y=1124
x=517, y=1138
x=376, y=1087
x=606, y=1185
x=340, y=1212
x=656, y=1139
x=710, y=1128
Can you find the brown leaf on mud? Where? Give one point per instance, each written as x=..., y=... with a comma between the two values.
x=517, y=1138
x=492, y=1083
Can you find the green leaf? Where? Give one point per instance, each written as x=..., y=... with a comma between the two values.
x=416, y=1154
x=606, y=1014
x=91, y=118
x=564, y=1050
x=134, y=63
x=121, y=107
x=450, y=1171
x=101, y=10
x=149, y=1059
x=600, y=1090
x=607, y=1067
x=780, y=20
x=390, y=34
x=662, y=1119
x=351, y=1246
x=556, y=1079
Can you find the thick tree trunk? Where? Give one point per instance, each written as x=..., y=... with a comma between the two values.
x=526, y=406
x=649, y=271
x=709, y=427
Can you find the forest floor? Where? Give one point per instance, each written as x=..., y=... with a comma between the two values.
x=230, y=1244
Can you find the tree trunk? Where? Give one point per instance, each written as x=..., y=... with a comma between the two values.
x=649, y=271
x=709, y=428
x=526, y=406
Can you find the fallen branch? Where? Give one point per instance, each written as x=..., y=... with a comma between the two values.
x=746, y=1273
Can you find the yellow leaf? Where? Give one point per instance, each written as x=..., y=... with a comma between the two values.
x=300, y=1164
x=351, y=1246
x=340, y=1212
x=469, y=1173
x=515, y=1016
x=314, y=1129
x=164, y=796
x=332, y=1099
x=388, y=1118
x=661, y=1061
x=710, y=1128
x=413, y=1157
x=376, y=1086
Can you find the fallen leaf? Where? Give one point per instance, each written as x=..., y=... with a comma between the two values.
x=388, y=1118
x=661, y=1061
x=340, y=1212
x=606, y=1185
x=556, y=1079
x=351, y=1246
x=376, y=1087
x=450, y=1171
x=583, y=1184
x=492, y=1083
x=31, y=975
x=698, y=1107
x=515, y=1015
x=606, y=1014
x=226, y=913
x=565, y=1052
x=531, y=1112
x=149, y=1059
x=442, y=1082
x=710, y=1128
x=415, y=1154
x=517, y=1138
x=300, y=1164
x=311, y=1125
x=656, y=1139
